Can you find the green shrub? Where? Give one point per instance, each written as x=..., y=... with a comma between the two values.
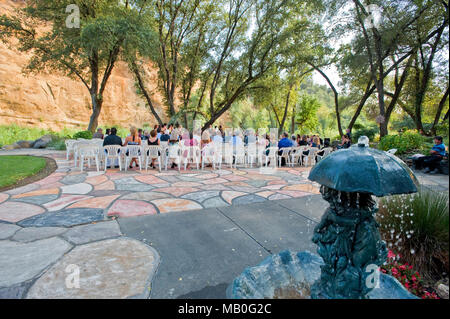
x=83, y=134
x=405, y=142
x=370, y=132
x=417, y=227
x=57, y=144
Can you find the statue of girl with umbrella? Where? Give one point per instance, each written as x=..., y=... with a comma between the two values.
x=347, y=237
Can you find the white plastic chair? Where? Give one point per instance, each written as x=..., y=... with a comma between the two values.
x=174, y=154
x=96, y=141
x=69, y=147
x=218, y=153
x=252, y=154
x=285, y=152
x=311, y=157
x=193, y=155
x=152, y=152
x=297, y=155
x=113, y=152
x=261, y=150
x=133, y=151
x=228, y=154
x=326, y=152
x=239, y=155
x=76, y=150
x=272, y=156
x=209, y=155
x=88, y=152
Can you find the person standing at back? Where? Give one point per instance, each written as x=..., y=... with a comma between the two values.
x=98, y=134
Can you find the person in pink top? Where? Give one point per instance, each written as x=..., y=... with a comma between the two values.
x=189, y=143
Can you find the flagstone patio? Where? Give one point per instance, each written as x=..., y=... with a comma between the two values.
x=70, y=197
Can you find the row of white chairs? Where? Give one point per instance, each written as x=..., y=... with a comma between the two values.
x=215, y=154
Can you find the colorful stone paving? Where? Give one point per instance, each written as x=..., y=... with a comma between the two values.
x=71, y=218
x=70, y=197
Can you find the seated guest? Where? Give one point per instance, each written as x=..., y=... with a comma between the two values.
x=303, y=141
x=140, y=133
x=108, y=132
x=315, y=142
x=284, y=143
x=206, y=135
x=294, y=140
x=175, y=135
x=98, y=134
x=165, y=137
x=237, y=140
x=113, y=139
x=197, y=135
x=346, y=143
x=217, y=137
x=145, y=136
x=133, y=139
x=189, y=141
x=227, y=138
x=431, y=162
x=349, y=134
x=153, y=140
x=250, y=137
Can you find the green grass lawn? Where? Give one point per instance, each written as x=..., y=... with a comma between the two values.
x=16, y=168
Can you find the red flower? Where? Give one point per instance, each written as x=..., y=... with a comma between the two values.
x=402, y=267
x=394, y=271
x=413, y=278
x=391, y=254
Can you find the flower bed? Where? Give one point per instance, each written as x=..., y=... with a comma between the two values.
x=407, y=276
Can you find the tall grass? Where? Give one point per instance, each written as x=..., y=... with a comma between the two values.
x=10, y=134
x=417, y=227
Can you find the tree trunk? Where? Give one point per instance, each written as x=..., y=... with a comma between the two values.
x=286, y=109
x=367, y=94
x=439, y=111
x=96, y=108
x=185, y=120
x=336, y=97
x=144, y=92
x=293, y=120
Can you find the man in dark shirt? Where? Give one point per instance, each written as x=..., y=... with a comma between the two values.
x=285, y=142
x=165, y=137
x=112, y=139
